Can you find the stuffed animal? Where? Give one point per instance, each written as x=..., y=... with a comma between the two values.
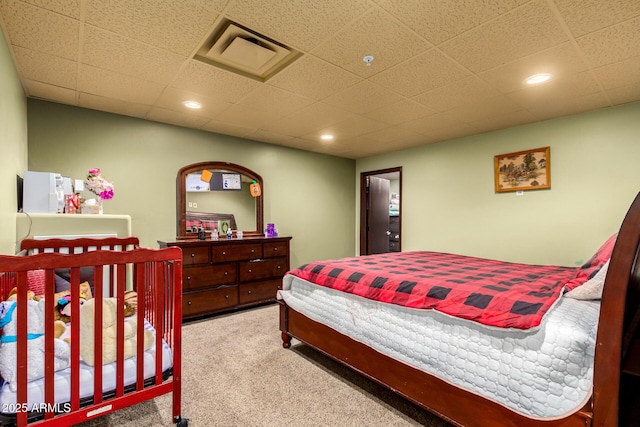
x=109, y=317
x=35, y=344
x=59, y=327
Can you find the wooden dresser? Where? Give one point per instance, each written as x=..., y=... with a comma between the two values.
x=226, y=274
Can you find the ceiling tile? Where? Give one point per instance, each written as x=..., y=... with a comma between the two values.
x=420, y=74
x=214, y=82
x=40, y=30
x=377, y=34
x=309, y=119
x=463, y=92
x=560, y=97
x=42, y=67
x=113, y=85
x=172, y=99
x=111, y=105
x=612, y=44
x=586, y=16
x=177, y=26
x=619, y=74
x=269, y=137
x=400, y=112
x=355, y=126
x=275, y=100
x=624, y=94
x=50, y=92
x=123, y=55
x=245, y=116
x=176, y=118
x=563, y=61
x=363, y=97
x=511, y=36
x=439, y=20
x=227, y=128
x=70, y=8
x=313, y=78
x=300, y=24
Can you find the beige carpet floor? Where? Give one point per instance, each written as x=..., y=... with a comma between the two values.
x=236, y=373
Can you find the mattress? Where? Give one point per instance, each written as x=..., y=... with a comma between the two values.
x=62, y=379
x=544, y=373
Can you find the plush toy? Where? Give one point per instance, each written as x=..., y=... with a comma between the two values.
x=109, y=317
x=59, y=326
x=35, y=344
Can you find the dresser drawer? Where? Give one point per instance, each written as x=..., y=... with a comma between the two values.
x=207, y=276
x=237, y=252
x=275, y=249
x=195, y=255
x=204, y=302
x=263, y=290
x=262, y=269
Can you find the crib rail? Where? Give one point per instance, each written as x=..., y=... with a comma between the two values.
x=156, y=275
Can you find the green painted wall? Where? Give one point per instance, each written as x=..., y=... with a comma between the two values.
x=13, y=143
x=308, y=196
x=449, y=203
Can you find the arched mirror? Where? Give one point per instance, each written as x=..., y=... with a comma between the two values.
x=216, y=195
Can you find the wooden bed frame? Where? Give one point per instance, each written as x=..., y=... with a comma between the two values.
x=617, y=353
x=156, y=276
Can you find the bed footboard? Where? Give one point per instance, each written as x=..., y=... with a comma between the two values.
x=147, y=351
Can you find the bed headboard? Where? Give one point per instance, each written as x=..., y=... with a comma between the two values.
x=618, y=338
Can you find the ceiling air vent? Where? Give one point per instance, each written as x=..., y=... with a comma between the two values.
x=240, y=50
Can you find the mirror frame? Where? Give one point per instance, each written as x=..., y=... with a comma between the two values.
x=181, y=195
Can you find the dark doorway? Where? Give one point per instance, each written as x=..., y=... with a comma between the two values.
x=380, y=207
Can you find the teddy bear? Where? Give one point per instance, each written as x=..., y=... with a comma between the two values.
x=109, y=317
x=35, y=343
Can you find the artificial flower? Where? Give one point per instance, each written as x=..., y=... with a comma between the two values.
x=98, y=185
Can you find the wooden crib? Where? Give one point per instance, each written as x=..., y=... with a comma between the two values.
x=116, y=265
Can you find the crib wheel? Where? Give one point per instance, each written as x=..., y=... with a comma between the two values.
x=181, y=422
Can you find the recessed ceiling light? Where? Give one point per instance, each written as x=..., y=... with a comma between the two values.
x=326, y=137
x=537, y=79
x=192, y=104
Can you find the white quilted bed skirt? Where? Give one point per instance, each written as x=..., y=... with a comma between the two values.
x=544, y=373
x=62, y=379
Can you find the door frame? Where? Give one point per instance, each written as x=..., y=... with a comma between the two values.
x=363, y=205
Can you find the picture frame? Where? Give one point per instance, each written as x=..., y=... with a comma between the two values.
x=523, y=170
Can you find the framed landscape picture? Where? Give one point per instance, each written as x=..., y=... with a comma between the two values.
x=523, y=170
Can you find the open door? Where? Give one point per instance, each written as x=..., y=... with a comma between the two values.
x=379, y=228
x=378, y=215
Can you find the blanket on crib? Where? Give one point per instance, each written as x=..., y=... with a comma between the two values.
x=490, y=292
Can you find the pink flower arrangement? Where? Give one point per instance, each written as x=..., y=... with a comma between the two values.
x=98, y=185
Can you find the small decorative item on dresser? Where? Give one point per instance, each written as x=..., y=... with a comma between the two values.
x=99, y=186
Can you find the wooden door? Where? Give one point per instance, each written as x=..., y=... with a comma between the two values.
x=377, y=215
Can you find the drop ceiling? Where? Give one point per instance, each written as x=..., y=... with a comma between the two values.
x=441, y=69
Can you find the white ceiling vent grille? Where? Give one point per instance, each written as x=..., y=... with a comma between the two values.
x=240, y=50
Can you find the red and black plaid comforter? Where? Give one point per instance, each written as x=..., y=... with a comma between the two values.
x=495, y=293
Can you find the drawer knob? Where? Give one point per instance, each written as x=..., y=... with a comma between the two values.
x=226, y=274
x=188, y=277
x=249, y=270
x=226, y=296
x=249, y=292
x=193, y=255
x=253, y=250
x=275, y=249
x=224, y=252
x=278, y=267
x=189, y=303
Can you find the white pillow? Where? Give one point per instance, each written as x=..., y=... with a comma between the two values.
x=592, y=288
